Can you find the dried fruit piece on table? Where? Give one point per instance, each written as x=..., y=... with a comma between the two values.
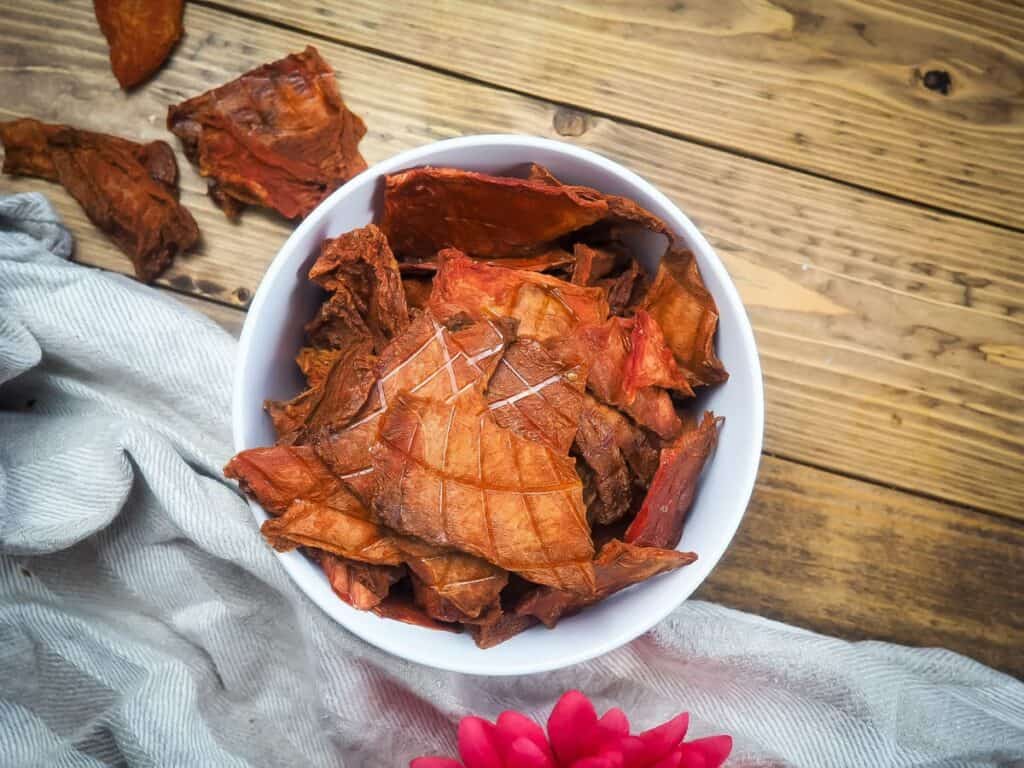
x=617, y=566
x=546, y=307
x=659, y=523
x=429, y=209
x=360, y=264
x=619, y=454
x=686, y=312
x=360, y=585
x=447, y=473
x=140, y=33
x=127, y=189
x=279, y=136
x=538, y=394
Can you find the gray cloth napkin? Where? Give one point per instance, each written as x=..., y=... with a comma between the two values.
x=143, y=621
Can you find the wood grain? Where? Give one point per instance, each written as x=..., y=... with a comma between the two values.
x=920, y=99
x=859, y=561
x=891, y=336
x=862, y=562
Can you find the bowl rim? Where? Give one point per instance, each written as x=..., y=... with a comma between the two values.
x=748, y=463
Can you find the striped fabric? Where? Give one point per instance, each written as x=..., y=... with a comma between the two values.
x=144, y=622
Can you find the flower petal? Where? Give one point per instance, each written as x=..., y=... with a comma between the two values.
x=673, y=759
x=477, y=746
x=592, y=762
x=515, y=725
x=615, y=721
x=662, y=739
x=634, y=752
x=523, y=753
x=712, y=751
x=434, y=762
x=569, y=725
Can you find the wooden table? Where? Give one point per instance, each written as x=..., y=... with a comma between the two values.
x=859, y=167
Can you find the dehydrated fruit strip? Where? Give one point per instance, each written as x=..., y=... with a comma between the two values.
x=141, y=34
x=126, y=189
x=659, y=523
x=278, y=136
x=447, y=473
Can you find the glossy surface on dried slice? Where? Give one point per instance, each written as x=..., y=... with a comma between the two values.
x=335, y=400
x=546, y=307
x=128, y=190
x=659, y=523
x=613, y=376
x=141, y=34
x=278, y=136
x=620, y=456
x=361, y=263
x=505, y=627
x=538, y=262
x=537, y=395
x=617, y=566
x=447, y=473
x=620, y=209
x=360, y=585
x=429, y=209
x=452, y=586
x=688, y=316
x=431, y=358
x=340, y=525
x=278, y=475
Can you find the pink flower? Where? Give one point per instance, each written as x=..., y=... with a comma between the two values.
x=578, y=738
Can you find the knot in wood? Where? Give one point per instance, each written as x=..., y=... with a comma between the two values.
x=569, y=122
x=938, y=80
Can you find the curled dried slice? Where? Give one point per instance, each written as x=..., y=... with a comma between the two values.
x=546, y=307
x=538, y=394
x=447, y=473
x=334, y=401
x=504, y=627
x=686, y=312
x=361, y=264
x=617, y=566
x=140, y=34
x=315, y=363
x=279, y=475
x=127, y=189
x=429, y=209
x=452, y=586
x=360, y=585
x=402, y=608
x=550, y=259
x=278, y=136
x=620, y=456
x=592, y=264
x=659, y=523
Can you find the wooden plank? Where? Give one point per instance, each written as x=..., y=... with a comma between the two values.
x=891, y=336
x=838, y=88
x=863, y=562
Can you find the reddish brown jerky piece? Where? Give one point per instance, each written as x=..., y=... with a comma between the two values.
x=687, y=314
x=360, y=585
x=429, y=209
x=402, y=608
x=140, y=33
x=417, y=292
x=617, y=566
x=279, y=136
x=360, y=264
x=315, y=363
x=338, y=323
x=334, y=401
x=447, y=473
x=279, y=475
x=537, y=395
x=541, y=262
x=545, y=307
x=620, y=456
x=126, y=189
x=620, y=209
x=505, y=627
x=592, y=264
x=659, y=523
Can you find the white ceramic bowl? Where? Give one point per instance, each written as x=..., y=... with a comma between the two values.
x=286, y=300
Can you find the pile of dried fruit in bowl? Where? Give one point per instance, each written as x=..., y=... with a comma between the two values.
x=495, y=431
